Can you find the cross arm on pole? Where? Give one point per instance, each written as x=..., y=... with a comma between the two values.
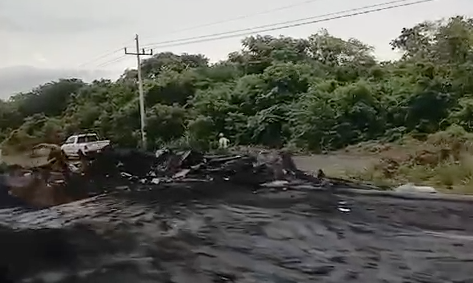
x=142, y=52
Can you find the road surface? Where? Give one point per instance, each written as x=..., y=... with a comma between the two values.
x=240, y=236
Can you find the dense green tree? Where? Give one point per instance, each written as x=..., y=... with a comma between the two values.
x=317, y=93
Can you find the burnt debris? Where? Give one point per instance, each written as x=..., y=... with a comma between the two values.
x=114, y=169
x=204, y=218
x=173, y=166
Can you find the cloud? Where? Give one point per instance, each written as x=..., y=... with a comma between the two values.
x=52, y=25
x=52, y=17
x=38, y=57
x=24, y=78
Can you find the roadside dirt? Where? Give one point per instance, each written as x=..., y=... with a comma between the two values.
x=309, y=163
x=23, y=160
x=333, y=162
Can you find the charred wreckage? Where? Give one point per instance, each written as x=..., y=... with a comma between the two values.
x=120, y=170
x=179, y=216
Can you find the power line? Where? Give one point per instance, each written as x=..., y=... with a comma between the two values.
x=283, y=25
x=110, y=62
x=113, y=51
x=97, y=58
x=246, y=16
x=273, y=27
x=103, y=55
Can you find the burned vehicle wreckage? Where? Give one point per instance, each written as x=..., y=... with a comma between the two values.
x=125, y=215
x=115, y=170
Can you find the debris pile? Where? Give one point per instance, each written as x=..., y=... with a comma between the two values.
x=125, y=234
x=120, y=167
x=130, y=169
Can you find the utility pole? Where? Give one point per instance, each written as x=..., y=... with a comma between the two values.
x=139, y=53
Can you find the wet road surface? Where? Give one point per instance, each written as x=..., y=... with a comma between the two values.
x=240, y=236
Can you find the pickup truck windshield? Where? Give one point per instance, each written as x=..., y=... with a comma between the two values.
x=70, y=140
x=86, y=139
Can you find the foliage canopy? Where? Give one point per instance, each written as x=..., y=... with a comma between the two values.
x=322, y=92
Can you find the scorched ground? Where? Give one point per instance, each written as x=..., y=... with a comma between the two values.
x=210, y=220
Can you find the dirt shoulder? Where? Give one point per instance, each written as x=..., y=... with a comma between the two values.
x=431, y=163
x=333, y=163
x=442, y=162
x=24, y=160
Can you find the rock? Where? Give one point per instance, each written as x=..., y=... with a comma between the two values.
x=411, y=188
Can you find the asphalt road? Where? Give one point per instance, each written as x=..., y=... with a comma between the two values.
x=240, y=236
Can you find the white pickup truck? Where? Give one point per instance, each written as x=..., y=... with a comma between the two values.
x=83, y=143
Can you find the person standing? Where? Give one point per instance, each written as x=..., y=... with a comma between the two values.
x=223, y=142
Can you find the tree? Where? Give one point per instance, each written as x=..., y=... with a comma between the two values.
x=319, y=93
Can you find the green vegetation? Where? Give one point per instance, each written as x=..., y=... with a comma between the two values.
x=319, y=93
x=444, y=160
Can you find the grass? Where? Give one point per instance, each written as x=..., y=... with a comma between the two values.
x=446, y=177
x=444, y=161
x=367, y=175
x=24, y=160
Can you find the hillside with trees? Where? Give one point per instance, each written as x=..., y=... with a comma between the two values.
x=317, y=93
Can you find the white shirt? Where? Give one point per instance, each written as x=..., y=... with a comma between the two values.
x=223, y=142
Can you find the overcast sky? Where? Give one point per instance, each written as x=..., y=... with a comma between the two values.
x=49, y=39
